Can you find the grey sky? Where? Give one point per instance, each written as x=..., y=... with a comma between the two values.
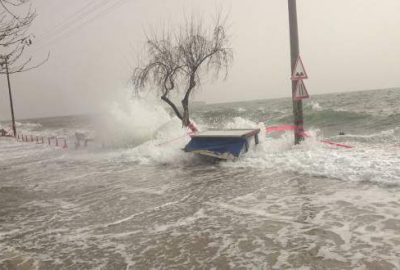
x=346, y=45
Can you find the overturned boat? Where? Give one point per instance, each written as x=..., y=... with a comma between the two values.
x=225, y=144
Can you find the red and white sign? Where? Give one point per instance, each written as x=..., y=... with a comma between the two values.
x=301, y=91
x=299, y=72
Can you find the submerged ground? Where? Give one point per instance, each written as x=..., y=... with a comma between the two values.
x=146, y=204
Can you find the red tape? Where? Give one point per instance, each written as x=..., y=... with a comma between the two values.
x=302, y=133
x=280, y=128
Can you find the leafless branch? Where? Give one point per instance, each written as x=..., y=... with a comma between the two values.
x=181, y=59
x=14, y=36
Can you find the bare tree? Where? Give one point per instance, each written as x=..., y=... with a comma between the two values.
x=181, y=60
x=16, y=16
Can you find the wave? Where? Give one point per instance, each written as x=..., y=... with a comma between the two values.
x=156, y=138
x=329, y=118
x=27, y=124
x=361, y=164
x=389, y=136
x=131, y=122
x=315, y=106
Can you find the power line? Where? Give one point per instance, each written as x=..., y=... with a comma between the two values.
x=73, y=20
x=70, y=19
x=77, y=23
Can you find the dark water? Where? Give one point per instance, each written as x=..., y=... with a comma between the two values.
x=141, y=203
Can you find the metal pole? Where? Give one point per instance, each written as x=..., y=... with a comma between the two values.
x=11, y=100
x=294, y=54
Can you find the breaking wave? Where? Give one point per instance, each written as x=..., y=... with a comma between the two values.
x=132, y=122
x=315, y=106
x=27, y=125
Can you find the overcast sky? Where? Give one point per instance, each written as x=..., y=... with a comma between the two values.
x=346, y=45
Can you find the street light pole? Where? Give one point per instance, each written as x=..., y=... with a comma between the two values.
x=294, y=54
x=10, y=95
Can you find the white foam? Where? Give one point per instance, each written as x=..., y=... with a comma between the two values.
x=239, y=122
x=181, y=222
x=153, y=191
x=251, y=211
x=281, y=261
x=361, y=163
x=315, y=106
x=328, y=254
x=391, y=136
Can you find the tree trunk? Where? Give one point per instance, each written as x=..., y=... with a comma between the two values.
x=172, y=105
x=185, y=118
x=185, y=102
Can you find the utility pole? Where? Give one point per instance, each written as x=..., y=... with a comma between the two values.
x=10, y=95
x=294, y=54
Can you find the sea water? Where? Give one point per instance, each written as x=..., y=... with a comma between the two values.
x=134, y=200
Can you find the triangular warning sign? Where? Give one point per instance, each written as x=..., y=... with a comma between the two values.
x=301, y=91
x=299, y=72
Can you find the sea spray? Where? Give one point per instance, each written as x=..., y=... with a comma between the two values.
x=131, y=122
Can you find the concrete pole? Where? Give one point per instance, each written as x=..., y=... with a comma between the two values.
x=294, y=54
x=11, y=100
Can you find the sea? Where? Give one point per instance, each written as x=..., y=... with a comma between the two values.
x=133, y=199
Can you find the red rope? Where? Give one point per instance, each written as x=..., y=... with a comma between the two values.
x=337, y=144
x=175, y=139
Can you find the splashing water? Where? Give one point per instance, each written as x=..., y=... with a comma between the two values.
x=132, y=122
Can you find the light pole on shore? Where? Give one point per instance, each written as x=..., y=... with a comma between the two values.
x=294, y=54
x=5, y=63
